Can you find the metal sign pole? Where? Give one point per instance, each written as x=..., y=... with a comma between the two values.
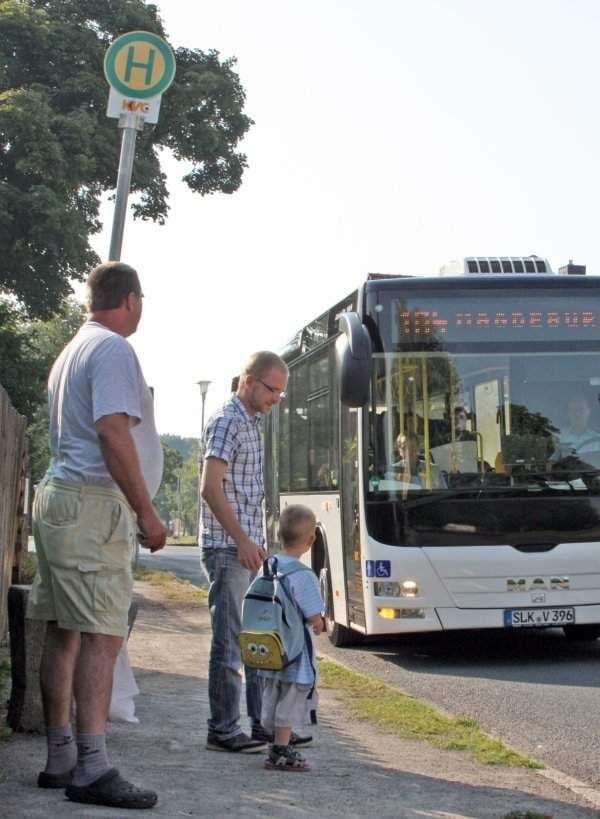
x=131, y=123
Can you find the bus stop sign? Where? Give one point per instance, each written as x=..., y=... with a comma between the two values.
x=139, y=65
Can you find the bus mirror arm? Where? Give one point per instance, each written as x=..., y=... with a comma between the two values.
x=354, y=360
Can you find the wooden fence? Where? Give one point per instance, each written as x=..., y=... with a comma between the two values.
x=13, y=529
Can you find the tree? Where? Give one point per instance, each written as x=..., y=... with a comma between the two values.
x=181, y=445
x=166, y=500
x=178, y=493
x=59, y=152
x=27, y=351
x=189, y=491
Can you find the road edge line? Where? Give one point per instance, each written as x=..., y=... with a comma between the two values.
x=576, y=786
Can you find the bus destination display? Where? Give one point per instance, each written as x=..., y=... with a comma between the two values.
x=494, y=318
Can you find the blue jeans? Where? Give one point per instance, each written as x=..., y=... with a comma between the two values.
x=228, y=583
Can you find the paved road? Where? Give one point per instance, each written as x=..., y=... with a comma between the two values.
x=534, y=690
x=183, y=560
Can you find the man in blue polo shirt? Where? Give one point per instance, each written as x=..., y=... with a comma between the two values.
x=232, y=537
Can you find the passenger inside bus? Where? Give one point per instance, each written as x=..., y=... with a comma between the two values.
x=578, y=438
x=410, y=469
x=456, y=454
x=461, y=416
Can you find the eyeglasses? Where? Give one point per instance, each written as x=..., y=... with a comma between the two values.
x=273, y=390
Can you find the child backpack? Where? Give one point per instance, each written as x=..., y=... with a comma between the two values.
x=273, y=632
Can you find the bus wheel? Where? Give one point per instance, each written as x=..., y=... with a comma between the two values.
x=583, y=633
x=339, y=636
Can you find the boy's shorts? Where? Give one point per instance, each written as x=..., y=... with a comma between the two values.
x=84, y=537
x=286, y=704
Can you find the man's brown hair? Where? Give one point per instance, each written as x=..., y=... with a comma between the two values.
x=294, y=523
x=110, y=283
x=260, y=363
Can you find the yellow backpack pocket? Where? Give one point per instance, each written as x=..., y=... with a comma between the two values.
x=262, y=649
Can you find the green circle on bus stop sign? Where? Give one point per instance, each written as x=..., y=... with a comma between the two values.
x=139, y=65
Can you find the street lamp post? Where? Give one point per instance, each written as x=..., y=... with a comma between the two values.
x=203, y=390
x=204, y=385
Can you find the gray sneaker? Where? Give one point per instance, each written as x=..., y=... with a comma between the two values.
x=239, y=744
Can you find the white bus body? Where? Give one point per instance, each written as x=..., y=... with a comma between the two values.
x=503, y=531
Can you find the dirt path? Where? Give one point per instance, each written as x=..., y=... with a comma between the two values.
x=358, y=771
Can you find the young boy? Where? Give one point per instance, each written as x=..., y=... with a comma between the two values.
x=289, y=695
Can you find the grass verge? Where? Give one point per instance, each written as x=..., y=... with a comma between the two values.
x=376, y=702
x=173, y=587
x=182, y=540
x=27, y=568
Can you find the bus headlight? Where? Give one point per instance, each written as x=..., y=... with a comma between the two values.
x=409, y=588
x=389, y=589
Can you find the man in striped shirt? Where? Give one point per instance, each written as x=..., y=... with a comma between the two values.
x=233, y=540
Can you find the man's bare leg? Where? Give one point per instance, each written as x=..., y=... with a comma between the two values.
x=56, y=683
x=93, y=682
x=59, y=658
x=94, y=781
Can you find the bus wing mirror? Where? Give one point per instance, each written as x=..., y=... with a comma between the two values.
x=354, y=357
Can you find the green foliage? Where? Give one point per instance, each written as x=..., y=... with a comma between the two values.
x=172, y=587
x=27, y=568
x=182, y=445
x=59, y=151
x=177, y=497
x=372, y=700
x=28, y=349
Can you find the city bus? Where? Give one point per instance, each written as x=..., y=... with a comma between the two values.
x=446, y=433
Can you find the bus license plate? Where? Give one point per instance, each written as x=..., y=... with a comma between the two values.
x=534, y=618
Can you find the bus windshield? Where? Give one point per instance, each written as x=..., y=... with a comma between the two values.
x=484, y=423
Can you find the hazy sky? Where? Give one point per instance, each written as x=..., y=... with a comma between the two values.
x=390, y=136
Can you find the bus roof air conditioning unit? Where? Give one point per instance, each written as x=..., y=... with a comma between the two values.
x=496, y=265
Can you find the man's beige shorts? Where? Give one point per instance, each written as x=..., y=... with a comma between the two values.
x=286, y=704
x=83, y=538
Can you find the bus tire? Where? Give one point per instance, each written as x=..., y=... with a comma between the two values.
x=339, y=636
x=582, y=633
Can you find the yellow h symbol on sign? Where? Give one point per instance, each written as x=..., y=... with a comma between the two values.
x=131, y=64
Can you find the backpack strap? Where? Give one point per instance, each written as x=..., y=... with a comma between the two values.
x=297, y=566
x=270, y=567
x=291, y=567
x=309, y=645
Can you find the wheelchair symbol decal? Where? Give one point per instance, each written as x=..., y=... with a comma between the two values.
x=382, y=568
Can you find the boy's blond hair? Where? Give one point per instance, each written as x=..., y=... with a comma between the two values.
x=295, y=523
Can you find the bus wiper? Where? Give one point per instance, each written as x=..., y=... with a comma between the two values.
x=534, y=484
x=427, y=500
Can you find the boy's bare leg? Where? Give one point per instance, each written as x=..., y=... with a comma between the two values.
x=282, y=736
